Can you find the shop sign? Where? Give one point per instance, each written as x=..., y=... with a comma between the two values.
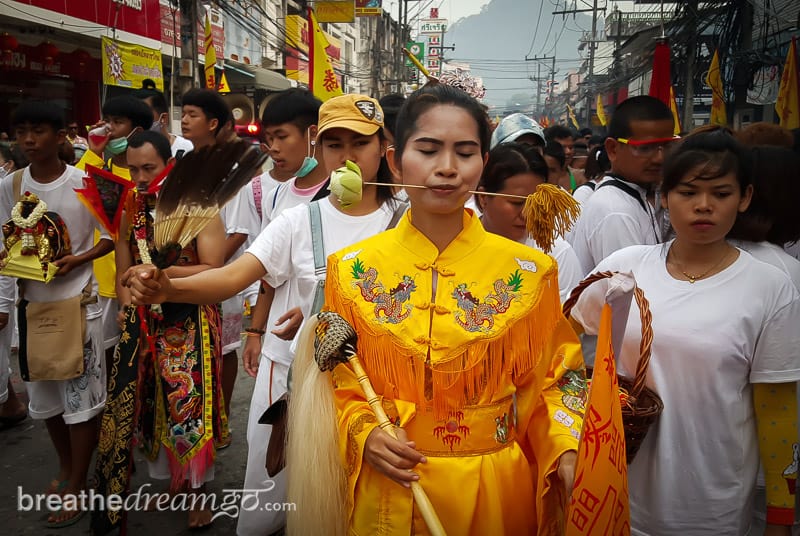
x=217, y=29
x=139, y=17
x=432, y=26
x=335, y=11
x=368, y=8
x=127, y=65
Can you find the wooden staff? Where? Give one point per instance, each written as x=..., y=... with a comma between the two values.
x=335, y=344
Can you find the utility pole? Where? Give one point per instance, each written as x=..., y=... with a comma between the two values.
x=551, y=79
x=687, y=121
x=590, y=75
x=592, y=43
x=189, y=17
x=441, y=49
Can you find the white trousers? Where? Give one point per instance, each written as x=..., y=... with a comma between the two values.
x=254, y=518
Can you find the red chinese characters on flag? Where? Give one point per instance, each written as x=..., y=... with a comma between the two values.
x=329, y=82
x=599, y=503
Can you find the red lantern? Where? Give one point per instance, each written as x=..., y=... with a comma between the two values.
x=48, y=52
x=8, y=44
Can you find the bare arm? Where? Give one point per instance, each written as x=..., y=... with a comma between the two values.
x=124, y=260
x=232, y=244
x=147, y=285
x=209, y=254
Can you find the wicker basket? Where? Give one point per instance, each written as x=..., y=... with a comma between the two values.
x=643, y=405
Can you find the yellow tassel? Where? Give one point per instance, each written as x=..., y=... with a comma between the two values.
x=549, y=212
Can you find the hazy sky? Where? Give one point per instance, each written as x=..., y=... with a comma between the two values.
x=448, y=9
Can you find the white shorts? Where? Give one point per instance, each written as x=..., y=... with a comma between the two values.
x=111, y=330
x=6, y=335
x=78, y=399
x=232, y=316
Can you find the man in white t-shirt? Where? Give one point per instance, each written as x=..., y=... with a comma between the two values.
x=621, y=211
x=158, y=104
x=69, y=407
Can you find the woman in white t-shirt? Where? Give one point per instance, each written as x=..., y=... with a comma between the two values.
x=724, y=356
x=517, y=169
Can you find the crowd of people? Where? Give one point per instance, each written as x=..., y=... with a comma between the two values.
x=457, y=312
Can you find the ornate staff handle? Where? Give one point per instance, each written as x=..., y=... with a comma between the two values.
x=336, y=344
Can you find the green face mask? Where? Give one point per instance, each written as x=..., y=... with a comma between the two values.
x=117, y=146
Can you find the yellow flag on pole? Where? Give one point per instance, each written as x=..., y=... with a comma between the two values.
x=719, y=115
x=572, y=117
x=599, y=503
x=601, y=111
x=211, y=57
x=321, y=79
x=211, y=63
x=788, y=104
x=673, y=106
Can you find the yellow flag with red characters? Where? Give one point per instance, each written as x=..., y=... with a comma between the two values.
x=719, y=116
x=599, y=503
x=321, y=78
x=211, y=63
x=673, y=106
x=788, y=104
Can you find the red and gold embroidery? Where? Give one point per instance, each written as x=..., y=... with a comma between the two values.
x=476, y=316
x=452, y=433
x=390, y=306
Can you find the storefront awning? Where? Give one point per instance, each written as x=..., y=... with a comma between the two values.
x=242, y=75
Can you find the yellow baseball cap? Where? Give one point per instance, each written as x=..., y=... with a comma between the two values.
x=358, y=113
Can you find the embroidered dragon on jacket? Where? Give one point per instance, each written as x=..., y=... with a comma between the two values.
x=390, y=306
x=474, y=315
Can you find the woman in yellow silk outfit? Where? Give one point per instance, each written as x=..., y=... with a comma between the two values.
x=461, y=333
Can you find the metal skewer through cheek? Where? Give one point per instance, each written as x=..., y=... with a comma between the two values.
x=427, y=188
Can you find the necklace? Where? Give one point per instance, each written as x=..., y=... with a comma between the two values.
x=693, y=278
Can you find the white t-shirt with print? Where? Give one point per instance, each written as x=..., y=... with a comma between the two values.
x=285, y=249
x=181, y=144
x=60, y=198
x=696, y=470
x=612, y=219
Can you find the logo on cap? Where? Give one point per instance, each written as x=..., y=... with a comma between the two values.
x=367, y=108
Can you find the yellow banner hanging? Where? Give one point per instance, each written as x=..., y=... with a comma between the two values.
x=322, y=79
x=719, y=116
x=211, y=63
x=601, y=111
x=127, y=65
x=572, y=117
x=788, y=104
x=673, y=106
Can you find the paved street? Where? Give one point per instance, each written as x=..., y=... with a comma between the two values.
x=27, y=459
